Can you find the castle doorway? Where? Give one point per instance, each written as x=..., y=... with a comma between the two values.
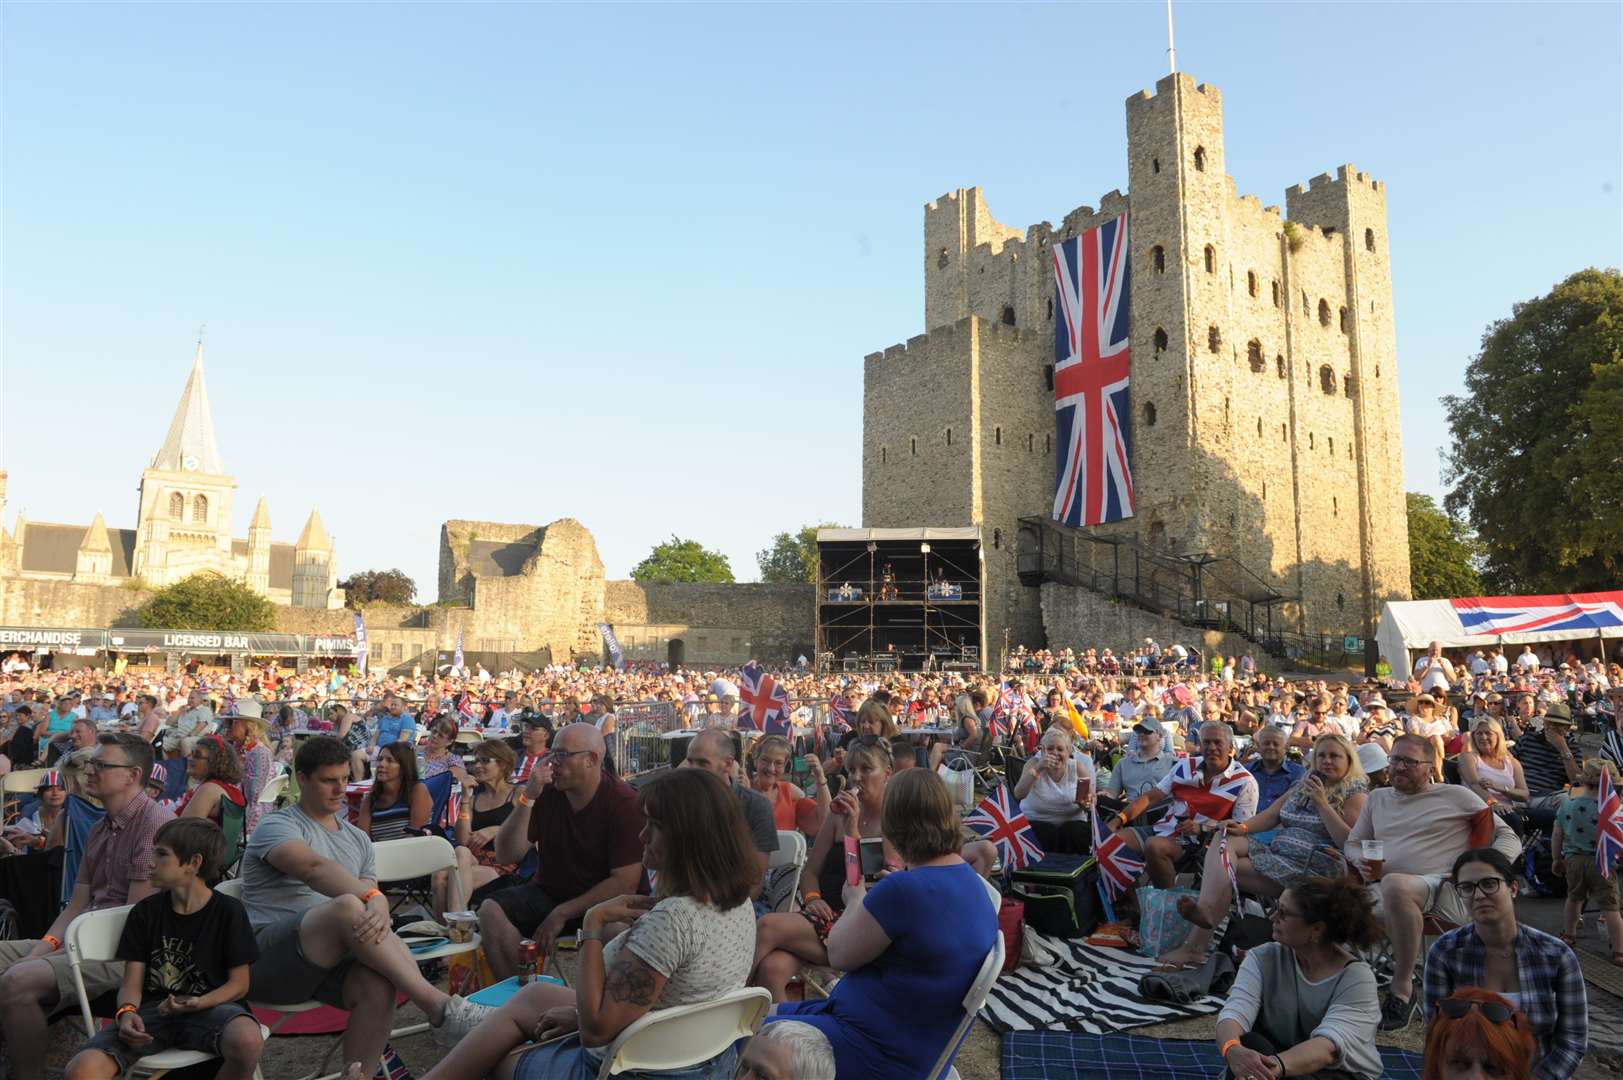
x=674, y=650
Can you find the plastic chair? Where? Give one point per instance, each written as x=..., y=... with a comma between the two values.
x=94, y=936
x=791, y=859
x=420, y=857
x=15, y=789
x=686, y=1035
x=273, y=788
x=975, y=998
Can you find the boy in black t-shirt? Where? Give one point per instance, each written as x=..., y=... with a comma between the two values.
x=186, y=950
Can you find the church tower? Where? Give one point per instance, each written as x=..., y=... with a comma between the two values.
x=184, y=522
x=259, y=548
x=315, y=572
x=93, y=563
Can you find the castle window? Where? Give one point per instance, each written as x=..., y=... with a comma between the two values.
x=1335, y=506
x=1310, y=440
x=1253, y=354
x=1048, y=444
x=1341, y=601
x=1349, y=451
x=997, y=435
x=1369, y=239
x=1259, y=427
x=1251, y=282
x=1324, y=312
x=1008, y=315
x=1158, y=257
x=1265, y=491
x=1276, y=292
x=997, y=539
x=1279, y=366
x=1346, y=324
x=1214, y=338
x=884, y=455
x=1327, y=379
x=1155, y=164
x=1200, y=159
x=1211, y=259
x=949, y=436
x=915, y=441
x=1348, y=386
x=1149, y=414
x=1031, y=443
x=1160, y=340
x=1158, y=534
x=200, y=508
x=1048, y=375
x=941, y=260
x=177, y=506
x=1332, y=441
x=1283, y=436
x=1050, y=309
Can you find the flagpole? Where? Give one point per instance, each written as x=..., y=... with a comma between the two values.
x=1172, y=52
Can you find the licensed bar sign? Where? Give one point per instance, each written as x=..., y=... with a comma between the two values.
x=195, y=642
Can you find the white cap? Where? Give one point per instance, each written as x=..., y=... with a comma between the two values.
x=724, y=688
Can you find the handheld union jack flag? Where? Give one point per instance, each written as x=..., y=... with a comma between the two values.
x=1609, y=826
x=1119, y=864
x=464, y=708
x=1093, y=480
x=1012, y=713
x=1000, y=821
x=839, y=717
x=762, y=703
x=1192, y=798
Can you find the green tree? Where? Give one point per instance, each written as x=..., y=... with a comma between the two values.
x=792, y=556
x=1442, y=552
x=378, y=587
x=207, y=601
x=682, y=560
x=1538, y=451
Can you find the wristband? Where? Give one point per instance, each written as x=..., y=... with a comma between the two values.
x=122, y=1009
x=370, y=893
x=808, y=895
x=1223, y=1051
x=56, y=942
x=523, y=799
x=1281, y=1063
x=853, y=862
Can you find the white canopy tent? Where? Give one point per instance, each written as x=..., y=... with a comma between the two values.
x=1408, y=627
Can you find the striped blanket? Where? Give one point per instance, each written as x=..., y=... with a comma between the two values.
x=1087, y=990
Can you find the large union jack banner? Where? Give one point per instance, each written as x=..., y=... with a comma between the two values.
x=998, y=819
x=1093, y=481
x=1539, y=614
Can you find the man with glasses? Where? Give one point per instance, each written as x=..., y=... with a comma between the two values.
x=1422, y=828
x=34, y=975
x=713, y=752
x=585, y=825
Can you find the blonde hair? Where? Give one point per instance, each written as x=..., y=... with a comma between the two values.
x=1342, y=789
x=770, y=744
x=1499, y=748
x=1593, y=768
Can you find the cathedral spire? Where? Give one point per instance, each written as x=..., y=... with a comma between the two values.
x=314, y=537
x=190, y=446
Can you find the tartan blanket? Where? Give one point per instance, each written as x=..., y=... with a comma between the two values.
x=1047, y=1055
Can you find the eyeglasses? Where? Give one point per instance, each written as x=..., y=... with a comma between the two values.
x=559, y=755
x=95, y=765
x=1402, y=762
x=1495, y=1012
x=1487, y=886
x=1281, y=913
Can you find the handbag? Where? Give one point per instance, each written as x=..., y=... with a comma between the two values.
x=1160, y=928
x=1011, y=923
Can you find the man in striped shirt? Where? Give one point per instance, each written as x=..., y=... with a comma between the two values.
x=534, y=748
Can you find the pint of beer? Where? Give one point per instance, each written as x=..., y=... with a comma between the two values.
x=1374, y=855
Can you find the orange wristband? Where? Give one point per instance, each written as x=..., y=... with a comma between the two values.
x=122, y=1009
x=810, y=894
x=1223, y=1051
x=56, y=942
x=370, y=893
x=523, y=800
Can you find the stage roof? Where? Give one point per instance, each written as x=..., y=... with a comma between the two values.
x=847, y=536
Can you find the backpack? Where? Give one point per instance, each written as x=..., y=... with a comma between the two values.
x=1536, y=862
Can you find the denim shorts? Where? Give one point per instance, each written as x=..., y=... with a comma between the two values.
x=200, y=1031
x=567, y=1059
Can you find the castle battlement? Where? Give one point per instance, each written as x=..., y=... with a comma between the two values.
x=1345, y=175
x=1166, y=83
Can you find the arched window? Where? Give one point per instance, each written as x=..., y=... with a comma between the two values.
x=177, y=506
x=1276, y=292
x=1345, y=323
x=200, y=508
x=1279, y=366
x=1335, y=506
x=997, y=539
x=1341, y=601
x=1211, y=259
x=949, y=436
x=1332, y=441
x=1214, y=339
x=1158, y=534
x=1008, y=314
x=1369, y=239
x=1324, y=312
x=1253, y=354
x=884, y=455
x=1149, y=414
x=1158, y=257
x=1327, y=379
x=941, y=260
x=1310, y=440
x=1200, y=159
x=1259, y=427
x=1349, y=386
x=915, y=441
x=1031, y=444
x=1160, y=340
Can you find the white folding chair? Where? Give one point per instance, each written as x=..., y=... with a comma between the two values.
x=423, y=856
x=791, y=853
x=273, y=789
x=686, y=1035
x=94, y=936
x=991, y=967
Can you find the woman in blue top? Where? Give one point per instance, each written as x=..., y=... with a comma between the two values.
x=910, y=947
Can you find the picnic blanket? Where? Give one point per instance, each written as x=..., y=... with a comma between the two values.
x=1087, y=989
x=1047, y=1055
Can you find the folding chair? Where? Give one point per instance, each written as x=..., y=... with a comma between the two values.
x=783, y=870
x=94, y=936
x=272, y=791
x=233, y=887
x=975, y=998
x=82, y=816
x=686, y=1035
x=439, y=800
x=420, y=857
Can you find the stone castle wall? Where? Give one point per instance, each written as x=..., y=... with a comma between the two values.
x=718, y=625
x=1080, y=619
x=30, y=602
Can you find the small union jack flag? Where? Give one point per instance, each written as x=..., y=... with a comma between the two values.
x=1119, y=864
x=521, y=773
x=763, y=705
x=1000, y=821
x=1609, y=825
x=839, y=717
x=464, y=707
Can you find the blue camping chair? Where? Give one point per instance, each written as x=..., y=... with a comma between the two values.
x=439, y=796
x=82, y=817
x=174, y=785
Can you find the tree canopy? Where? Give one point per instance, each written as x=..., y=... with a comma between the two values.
x=207, y=601
x=1442, y=552
x=378, y=587
x=1537, y=458
x=792, y=556
x=682, y=560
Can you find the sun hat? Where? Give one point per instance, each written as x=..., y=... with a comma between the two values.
x=1372, y=757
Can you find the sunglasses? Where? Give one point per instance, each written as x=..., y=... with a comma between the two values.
x=1495, y=1012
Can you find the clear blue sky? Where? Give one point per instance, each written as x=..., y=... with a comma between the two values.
x=622, y=263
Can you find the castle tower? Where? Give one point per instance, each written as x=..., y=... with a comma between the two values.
x=184, y=519
x=315, y=575
x=259, y=547
x=93, y=565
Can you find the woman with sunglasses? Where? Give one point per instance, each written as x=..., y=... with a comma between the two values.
x=1475, y=1034
x=216, y=775
x=1536, y=972
x=1303, y=1005
x=487, y=799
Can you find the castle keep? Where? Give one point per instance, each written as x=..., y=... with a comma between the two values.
x=1263, y=380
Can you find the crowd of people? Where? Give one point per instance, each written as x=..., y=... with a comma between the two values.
x=1351, y=818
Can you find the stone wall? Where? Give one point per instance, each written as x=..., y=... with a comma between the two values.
x=718, y=625
x=30, y=602
x=1080, y=619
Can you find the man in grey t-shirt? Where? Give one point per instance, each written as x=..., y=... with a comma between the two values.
x=320, y=921
x=712, y=750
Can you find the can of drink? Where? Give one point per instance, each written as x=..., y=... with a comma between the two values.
x=529, y=961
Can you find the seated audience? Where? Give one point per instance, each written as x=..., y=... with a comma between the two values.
x=186, y=951
x=309, y=882
x=1425, y=722
x=1304, y=1004
x=1476, y=1034
x=1378, y=726
x=1576, y=827
x=1275, y=773
x=1488, y=768
x=34, y=975
x=1548, y=763
x=398, y=804
x=394, y=724
x=45, y=826
x=584, y=825
x=1140, y=771
x=487, y=799
x=532, y=749
x=901, y=998
x=787, y=1050
x=246, y=732
x=1053, y=797
x=350, y=729
x=215, y=772
x=1422, y=827
x=440, y=755
x=23, y=749
x=689, y=942
x=1534, y=971
x=791, y=809
x=1313, y=820
x=1375, y=763
x=713, y=751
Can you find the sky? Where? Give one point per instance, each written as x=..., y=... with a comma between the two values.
x=621, y=263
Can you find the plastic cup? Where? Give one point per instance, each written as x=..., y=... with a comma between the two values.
x=1374, y=856
x=461, y=925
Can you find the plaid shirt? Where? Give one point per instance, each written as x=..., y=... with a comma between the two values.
x=1552, y=990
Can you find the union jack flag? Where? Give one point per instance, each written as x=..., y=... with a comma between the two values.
x=1193, y=799
x=1012, y=713
x=762, y=704
x=1000, y=821
x=839, y=717
x=464, y=707
x=456, y=660
x=1539, y=614
x=1119, y=864
x=1609, y=826
x=1093, y=480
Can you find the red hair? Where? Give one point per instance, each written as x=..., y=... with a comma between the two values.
x=1509, y=1045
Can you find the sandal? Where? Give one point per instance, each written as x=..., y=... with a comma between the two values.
x=1570, y=939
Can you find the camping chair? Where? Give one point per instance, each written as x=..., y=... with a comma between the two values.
x=174, y=786
x=82, y=816
x=439, y=799
x=233, y=823
x=783, y=870
x=94, y=936
x=990, y=968
x=686, y=1035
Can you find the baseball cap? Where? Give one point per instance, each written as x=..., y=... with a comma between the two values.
x=1149, y=727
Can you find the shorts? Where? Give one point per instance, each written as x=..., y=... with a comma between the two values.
x=199, y=1031
x=1441, y=899
x=525, y=906
x=100, y=977
x=1585, y=883
x=282, y=975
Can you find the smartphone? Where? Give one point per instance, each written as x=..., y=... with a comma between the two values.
x=802, y=764
x=872, y=856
